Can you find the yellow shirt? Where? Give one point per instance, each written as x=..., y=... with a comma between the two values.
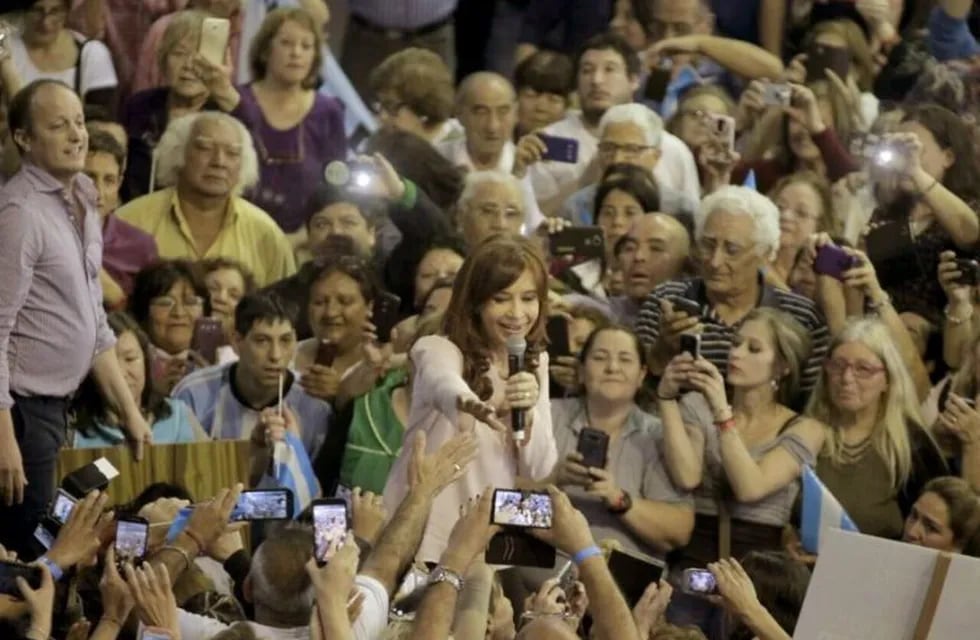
x=248, y=235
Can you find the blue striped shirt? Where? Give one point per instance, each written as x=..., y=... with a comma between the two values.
x=212, y=395
x=716, y=338
x=403, y=15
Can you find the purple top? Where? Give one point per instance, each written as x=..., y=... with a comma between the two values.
x=291, y=162
x=125, y=250
x=52, y=324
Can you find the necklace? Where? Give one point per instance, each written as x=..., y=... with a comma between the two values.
x=852, y=453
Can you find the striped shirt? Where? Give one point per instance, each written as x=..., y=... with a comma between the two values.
x=212, y=395
x=403, y=15
x=716, y=339
x=52, y=325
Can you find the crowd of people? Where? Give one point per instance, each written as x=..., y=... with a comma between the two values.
x=641, y=263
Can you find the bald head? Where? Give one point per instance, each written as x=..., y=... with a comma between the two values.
x=486, y=105
x=652, y=252
x=277, y=580
x=547, y=628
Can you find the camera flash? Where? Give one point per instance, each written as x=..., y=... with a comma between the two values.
x=362, y=179
x=886, y=156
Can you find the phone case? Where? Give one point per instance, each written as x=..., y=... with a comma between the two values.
x=10, y=571
x=657, y=83
x=634, y=573
x=326, y=353
x=583, y=243
x=208, y=336
x=214, y=39
x=560, y=149
x=722, y=129
x=691, y=343
x=821, y=57
x=520, y=549
x=832, y=261
x=385, y=315
x=594, y=447
x=968, y=271
x=557, y=330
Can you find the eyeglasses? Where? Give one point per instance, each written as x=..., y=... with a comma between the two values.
x=632, y=150
x=169, y=303
x=861, y=370
x=40, y=13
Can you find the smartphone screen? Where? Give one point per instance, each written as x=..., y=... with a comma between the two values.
x=691, y=343
x=699, y=581
x=263, y=504
x=62, y=506
x=655, y=88
x=557, y=330
x=131, y=540
x=10, y=571
x=593, y=445
x=634, y=573
x=525, y=509
x=329, y=526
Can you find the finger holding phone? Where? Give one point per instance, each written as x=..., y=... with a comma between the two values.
x=751, y=105
x=958, y=278
x=530, y=150
x=961, y=419
x=320, y=381
x=805, y=109
x=675, y=320
x=863, y=277
x=40, y=602
x=706, y=378
x=570, y=470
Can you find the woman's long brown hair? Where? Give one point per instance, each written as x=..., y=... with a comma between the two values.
x=493, y=266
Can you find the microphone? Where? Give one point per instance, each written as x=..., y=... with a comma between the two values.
x=516, y=346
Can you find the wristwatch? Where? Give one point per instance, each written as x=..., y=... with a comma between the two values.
x=623, y=504
x=442, y=574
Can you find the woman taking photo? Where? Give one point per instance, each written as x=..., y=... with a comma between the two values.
x=297, y=130
x=741, y=452
x=805, y=208
x=930, y=189
x=463, y=384
x=170, y=419
x=946, y=517
x=630, y=498
x=167, y=300
x=877, y=455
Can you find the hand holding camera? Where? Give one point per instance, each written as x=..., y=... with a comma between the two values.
x=958, y=277
x=569, y=531
x=803, y=108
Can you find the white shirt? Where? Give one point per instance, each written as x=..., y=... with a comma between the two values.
x=97, y=70
x=454, y=150
x=555, y=182
x=368, y=626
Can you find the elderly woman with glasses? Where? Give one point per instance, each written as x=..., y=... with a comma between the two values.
x=737, y=236
x=168, y=298
x=877, y=455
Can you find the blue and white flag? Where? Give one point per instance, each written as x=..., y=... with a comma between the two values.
x=293, y=471
x=821, y=511
x=750, y=180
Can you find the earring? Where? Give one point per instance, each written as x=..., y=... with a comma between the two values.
x=775, y=384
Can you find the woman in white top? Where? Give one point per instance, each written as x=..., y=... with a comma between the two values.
x=462, y=382
x=46, y=48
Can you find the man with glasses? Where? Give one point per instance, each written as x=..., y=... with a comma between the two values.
x=630, y=134
x=608, y=75
x=208, y=158
x=736, y=236
x=53, y=329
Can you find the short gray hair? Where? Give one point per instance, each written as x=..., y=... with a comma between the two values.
x=642, y=116
x=744, y=201
x=491, y=176
x=169, y=155
x=278, y=576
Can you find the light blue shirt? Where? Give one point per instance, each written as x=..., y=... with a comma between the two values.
x=174, y=429
x=212, y=395
x=580, y=205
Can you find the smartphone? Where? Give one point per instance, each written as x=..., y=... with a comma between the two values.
x=330, y=524
x=155, y=633
x=558, y=342
x=214, y=39
x=566, y=577
x=699, y=582
x=889, y=155
x=95, y=476
x=583, y=243
x=944, y=398
x=634, y=572
x=684, y=305
x=263, y=504
x=208, y=336
x=721, y=129
x=559, y=149
x=517, y=547
x=10, y=571
x=362, y=174
x=384, y=314
x=594, y=447
x=821, y=57
x=62, y=505
x=522, y=509
x=691, y=343
x=132, y=535
x=968, y=271
x=656, y=85
x=326, y=353
x=777, y=94
x=833, y=261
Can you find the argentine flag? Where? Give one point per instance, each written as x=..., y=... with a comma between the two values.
x=293, y=471
x=821, y=512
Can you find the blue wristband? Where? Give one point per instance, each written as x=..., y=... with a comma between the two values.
x=56, y=572
x=585, y=554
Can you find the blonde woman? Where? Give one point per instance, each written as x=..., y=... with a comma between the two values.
x=951, y=410
x=877, y=456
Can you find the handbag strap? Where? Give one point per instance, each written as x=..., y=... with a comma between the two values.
x=78, y=67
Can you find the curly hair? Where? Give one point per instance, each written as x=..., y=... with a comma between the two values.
x=493, y=266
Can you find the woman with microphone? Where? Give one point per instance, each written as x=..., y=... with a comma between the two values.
x=467, y=381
